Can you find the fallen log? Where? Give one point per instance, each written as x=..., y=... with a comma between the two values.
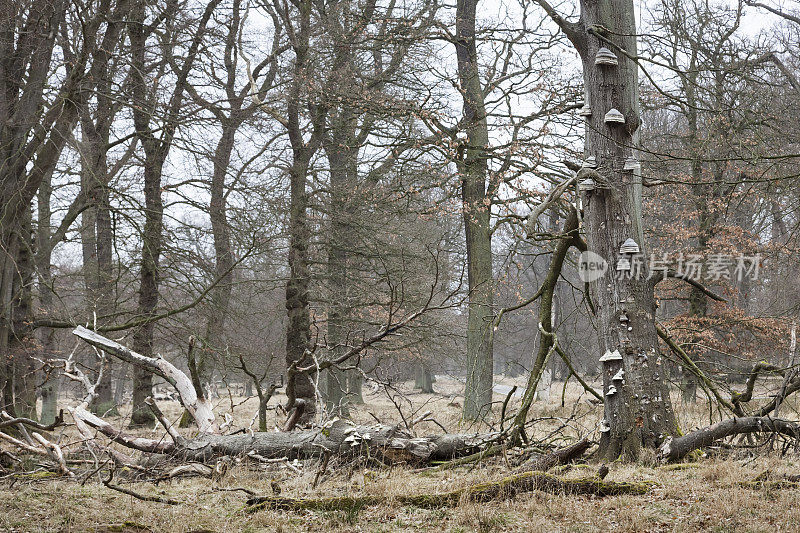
x=507, y=487
x=390, y=444
x=675, y=448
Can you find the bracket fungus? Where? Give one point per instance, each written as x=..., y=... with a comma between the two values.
x=629, y=247
x=587, y=184
x=632, y=164
x=606, y=57
x=611, y=356
x=614, y=117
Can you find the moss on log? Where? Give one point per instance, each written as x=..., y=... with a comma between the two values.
x=507, y=487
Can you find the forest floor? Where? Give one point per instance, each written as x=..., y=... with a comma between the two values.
x=712, y=494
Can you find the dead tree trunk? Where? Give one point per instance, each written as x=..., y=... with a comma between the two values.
x=638, y=410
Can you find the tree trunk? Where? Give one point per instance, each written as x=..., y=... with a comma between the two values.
x=298, y=329
x=477, y=216
x=44, y=251
x=156, y=150
x=148, y=293
x=640, y=412
x=342, y=160
x=154, y=210
x=215, y=341
x=424, y=379
x=299, y=385
x=96, y=237
x=23, y=345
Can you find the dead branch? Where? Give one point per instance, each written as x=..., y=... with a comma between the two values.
x=675, y=448
x=143, y=497
x=561, y=456
x=59, y=421
x=198, y=407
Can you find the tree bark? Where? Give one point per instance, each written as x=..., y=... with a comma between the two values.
x=477, y=217
x=44, y=252
x=341, y=151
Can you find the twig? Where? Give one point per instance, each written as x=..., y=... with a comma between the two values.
x=144, y=498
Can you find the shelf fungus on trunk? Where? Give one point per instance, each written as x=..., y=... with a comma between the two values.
x=614, y=117
x=606, y=57
x=632, y=164
x=612, y=390
x=587, y=184
x=619, y=376
x=629, y=247
x=624, y=264
x=590, y=162
x=611, y=356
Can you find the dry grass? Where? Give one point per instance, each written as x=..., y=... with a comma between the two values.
x=707, y=497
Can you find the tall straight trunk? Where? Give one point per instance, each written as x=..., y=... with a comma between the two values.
x=23, y=346
x=215, y=341
x=638, y=410
x=336, y=384
x=298, y=329
x=44, y=251
x=105, y=289
x=148, y=292
x=155, y=154
x=477, y=218
x=341, y=148
x=96, y=237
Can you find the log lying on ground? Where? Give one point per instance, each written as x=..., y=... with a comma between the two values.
x=507, y=487
x=561, y=456
x=675, y=448
x=391, y=444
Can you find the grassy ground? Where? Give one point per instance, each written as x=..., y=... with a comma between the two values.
x=705, y=496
